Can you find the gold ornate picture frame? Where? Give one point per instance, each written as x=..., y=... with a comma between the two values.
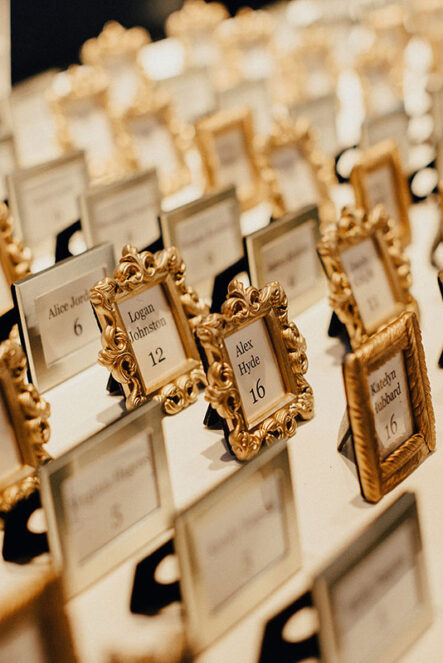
x=211, y=129
x=33, y=623
x=134, y=275
x=380, y=473
x=384, y=155
x=15, y=259
x=245, y=307
x=25, y=427
x=299, y=137
x=353, y=228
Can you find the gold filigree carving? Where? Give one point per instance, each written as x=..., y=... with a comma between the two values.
x=353, y=227
x=15, y=258
x=29, y=416
x=301, y=136
x=196, y=20
x=380, y=475
x=244, y=306
x=135, y=273
x=114, y=41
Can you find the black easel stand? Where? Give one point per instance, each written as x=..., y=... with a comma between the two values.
x=20, y=545
x=275, y=648
x=155, y=246
x=149, y=596
x=222, y=281
x=7, y=321
x=338, y=330
x=62, y=241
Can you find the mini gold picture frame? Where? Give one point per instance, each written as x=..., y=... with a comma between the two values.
x=15, y=259
x=150, y=114
x=376, y=229
x=293, y=397
x=34, y=625
x=383, y=157
x=162, y=277
x=381, y=468
x=24, y=427
x=318, y=170
x=235, y=128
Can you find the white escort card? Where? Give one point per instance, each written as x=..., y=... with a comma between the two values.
x=7, y=162
x=369, y=283
x=154, y=146
x=285, y=251
x=234, y=164
x=192, y=93
x=152, y=330
x=199, y=230
x=373, y=600
x=295, y=177
x=123, y=212
x=253, y=93
x=44, y=200
x=236, y=544
x=256, y=370
x=321, y=113
x=391, y=125
x=108, y=497
x=90, y=129
x=380, y=188
x=389, y=395
x=60, y=333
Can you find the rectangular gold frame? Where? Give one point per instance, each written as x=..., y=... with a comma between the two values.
x=354, y=227
x=379, y=476
x=203, y=625
x=29, y=415
x=258, y=240
x=221, y=122
x=242, y=307
x=375, y=157
x=135, y=273
x=402, y=510
x=41, y=603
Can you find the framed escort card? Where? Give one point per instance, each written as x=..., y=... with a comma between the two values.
x=285, y=251
x=390, y=406
x=321, y=114
x=373, y=600
x=57, y=324
x=295, y=172
x=378, y=178
x=199, y=229
x=156, y=140
x=393, y=125
x=256, y=362
x=44, y=199
x=15, y=260
x=236, y=545
x=368, y=274
x=115, y=49
x=107, y=497
x=24, y=427
x=123, y=212
x=147, y=314
x=226, y=144
x=34, y=626
x=8, y=162
x=253, y=93
x=192, y=93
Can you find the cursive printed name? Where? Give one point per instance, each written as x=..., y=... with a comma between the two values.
x=76, y=300
x=388, y=396
x=245, y=367
x=152, y=326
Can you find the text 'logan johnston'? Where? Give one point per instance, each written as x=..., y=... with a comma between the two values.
x=151, y=326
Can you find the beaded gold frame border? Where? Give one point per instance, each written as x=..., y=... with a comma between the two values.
x=134, y=273
x=15, y=258
x=29, y=414
x=353, y=227
x=379, y=476
x=242, y=307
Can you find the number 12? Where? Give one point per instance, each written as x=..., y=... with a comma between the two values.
x=158, y=352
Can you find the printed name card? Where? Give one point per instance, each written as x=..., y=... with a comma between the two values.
x=57, y=323
x=254, y=94
x=24, y=427
x=36, y=628
x=285, y=251
x=192, y=93
x=321, y=113
x=108, y=497
x=44, y=199
x=252, y=383
x=226, y=143
x=391, y=125
x=374, y=282
x=373, y=599
x=199, y=229
x=7, y=162
x=147, y=314
x=390, y=406
x=236, y=545
x=378, y=178
x=123, y=212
